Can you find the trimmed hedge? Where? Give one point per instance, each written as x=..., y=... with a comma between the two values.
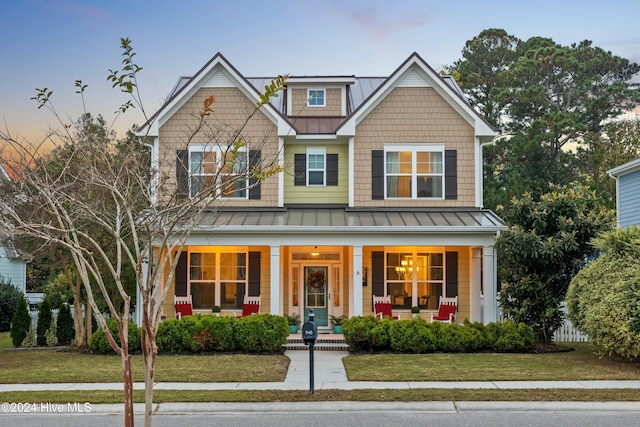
x=260, y=333
x=417, y=336
x=100, y=344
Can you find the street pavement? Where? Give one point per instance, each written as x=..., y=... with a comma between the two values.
x=329, y=373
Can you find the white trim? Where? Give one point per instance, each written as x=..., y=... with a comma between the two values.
x=213, y=148
x=351, y=156
x=217, y=65
x=413, y=67
x=316, y=151
x=414, y=149
x=281, y=173
x=625, y=168
x=275, y=294
x=324, y=97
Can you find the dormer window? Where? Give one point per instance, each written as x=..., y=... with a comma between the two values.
x=316, y=98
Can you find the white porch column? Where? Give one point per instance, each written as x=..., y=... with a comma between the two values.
x=490, y=285
x=356, y=308
x=274, y=280
x=476, y=281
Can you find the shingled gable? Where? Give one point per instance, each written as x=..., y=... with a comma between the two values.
x=416, y=71
x=208, y=73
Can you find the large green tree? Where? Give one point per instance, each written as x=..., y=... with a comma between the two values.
x=547, y=243
x=548, y=98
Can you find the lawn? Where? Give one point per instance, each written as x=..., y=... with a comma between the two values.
x=50, y=366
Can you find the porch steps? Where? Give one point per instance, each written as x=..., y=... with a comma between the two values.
x=324, y=342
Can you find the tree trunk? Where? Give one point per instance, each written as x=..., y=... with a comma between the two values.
x=88, y=324
x=128, y=389
x=150, y=355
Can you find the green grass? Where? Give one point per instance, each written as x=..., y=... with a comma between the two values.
x=581, y=364
x=17, y=366
x=5, y=340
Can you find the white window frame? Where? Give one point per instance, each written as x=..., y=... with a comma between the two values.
x=218, y=175
x=414, y=149
x=316, y=151
x=217, y=280
x=415, y=298
x=311, y=95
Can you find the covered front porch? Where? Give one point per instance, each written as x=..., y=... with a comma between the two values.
x=411, y=256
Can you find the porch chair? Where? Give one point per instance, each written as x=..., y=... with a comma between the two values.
x=447, y=308
x=183, y=306
x=250, y=305
x=382, y=307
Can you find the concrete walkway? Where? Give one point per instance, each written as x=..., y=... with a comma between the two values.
x=329, y=374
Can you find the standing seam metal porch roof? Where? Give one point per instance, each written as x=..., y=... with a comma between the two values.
x=354, y=220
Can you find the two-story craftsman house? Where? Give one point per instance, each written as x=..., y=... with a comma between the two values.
x=380, y=193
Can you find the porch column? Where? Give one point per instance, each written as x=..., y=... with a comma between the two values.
x=476, y=289
x=356, y=309
x=490, y=286
x=274, y=280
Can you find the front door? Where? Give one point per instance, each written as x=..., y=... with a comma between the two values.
x=316, y=285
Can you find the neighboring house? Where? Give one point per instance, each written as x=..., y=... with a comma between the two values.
x=627, y=178
x=13, y=265
x=381, y=194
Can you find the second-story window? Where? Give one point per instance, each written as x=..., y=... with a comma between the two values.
x=316, y=98
x=316, y=166
x=414, y=172
x=210, y=168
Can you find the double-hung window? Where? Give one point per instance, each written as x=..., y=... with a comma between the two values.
x=414, y=172
x=217, y=278
x=316, y=166
x=222, y=171
x=415, y=278
x=316, y=98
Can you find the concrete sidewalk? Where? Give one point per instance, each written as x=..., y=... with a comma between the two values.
x=329, y=374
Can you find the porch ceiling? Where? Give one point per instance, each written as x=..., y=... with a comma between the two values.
x=336, y=219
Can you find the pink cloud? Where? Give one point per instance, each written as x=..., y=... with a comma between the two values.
x=80, y=11
x=378, y=24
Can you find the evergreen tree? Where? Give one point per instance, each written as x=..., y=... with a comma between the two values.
x=9, y=296
x=20, y=322
x=44, y=321
x=66, y=331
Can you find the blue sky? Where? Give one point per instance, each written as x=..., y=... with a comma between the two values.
x=52, y=43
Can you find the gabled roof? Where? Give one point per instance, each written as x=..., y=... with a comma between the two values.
x=364, y=94
x=414, y=70
x=218, y=71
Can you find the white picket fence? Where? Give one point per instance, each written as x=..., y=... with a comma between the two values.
x=566, y=333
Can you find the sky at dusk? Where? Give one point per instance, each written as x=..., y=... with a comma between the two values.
x=52, y=43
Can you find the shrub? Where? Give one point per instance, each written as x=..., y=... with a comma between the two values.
x=261, y=333
x=412, y=336
x=30, y=338
x=507, y=337
x=173, y=336
x=51, y=336
x=221, y=330
x=21, y=322
x=358, y=333
x=66, y=329
x=9, y=296
x=44, y=321
x=100, y=344
x=603, y=300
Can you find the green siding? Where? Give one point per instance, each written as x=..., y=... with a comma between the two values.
x=317, y=195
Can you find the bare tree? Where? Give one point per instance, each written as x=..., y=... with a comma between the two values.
x=111, y=191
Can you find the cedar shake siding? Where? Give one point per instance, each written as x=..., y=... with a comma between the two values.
x=414, y=116
x=332, y=108
x=230, y=111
